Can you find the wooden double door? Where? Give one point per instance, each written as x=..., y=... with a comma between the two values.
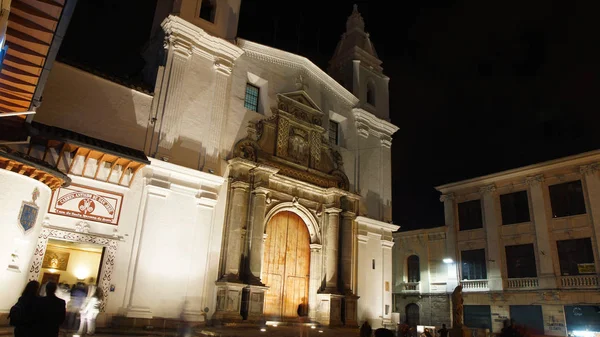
x=286, y=266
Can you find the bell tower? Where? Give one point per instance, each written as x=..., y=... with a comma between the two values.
x=217, y=17
x=356, y=66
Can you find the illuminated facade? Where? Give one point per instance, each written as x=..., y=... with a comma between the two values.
x=526, y=245
x=251, y=185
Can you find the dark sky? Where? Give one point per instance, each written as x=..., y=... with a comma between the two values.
x=476, y=86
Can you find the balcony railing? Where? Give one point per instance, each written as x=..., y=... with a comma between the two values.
x=579, y=281
x=411, y=286
x=523, y=283
x=474, y=285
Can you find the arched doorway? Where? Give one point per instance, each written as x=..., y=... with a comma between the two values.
x=286, y=265
x=412, y=315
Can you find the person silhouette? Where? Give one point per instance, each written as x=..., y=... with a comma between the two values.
x=50, y=312
x=22, y=315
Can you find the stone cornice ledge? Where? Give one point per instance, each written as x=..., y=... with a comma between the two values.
x=181, y=175
x=376, y=224
x=211, y=47
x=277, y=56
x=369, y=124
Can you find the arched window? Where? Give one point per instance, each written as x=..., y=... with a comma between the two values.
x=412, y=315
x=371, y=93
x=414, y=272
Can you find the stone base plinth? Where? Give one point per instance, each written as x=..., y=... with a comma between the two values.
x=350, y=305
x=229, y=301
x=253, y=302
x=329, y=309
x=138, y=312
x=460, y=332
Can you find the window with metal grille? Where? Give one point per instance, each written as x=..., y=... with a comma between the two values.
x=567, y=199
x=333, y=132
x=520, y=261
x=514, y=207
x=414, y=274
x=576, y=257
x=469, y=215
x=473, y=264
x=251, y=99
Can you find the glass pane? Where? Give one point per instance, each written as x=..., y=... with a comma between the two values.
x=469, y=215
x=251, y=99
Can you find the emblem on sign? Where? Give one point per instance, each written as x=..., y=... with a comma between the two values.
x=29, y=212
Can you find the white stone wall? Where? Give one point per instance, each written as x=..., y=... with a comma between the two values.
x=15, y=189
x=82, y=102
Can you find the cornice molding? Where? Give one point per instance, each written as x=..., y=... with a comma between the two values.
x=369, y=124
x=589, y=169
x=534, y=180
x=447, y=197
x=276, y=56
x=184, y=36
x=487, y=189
x=376, y=224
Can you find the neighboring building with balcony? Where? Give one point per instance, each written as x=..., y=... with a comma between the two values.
x=526, y=242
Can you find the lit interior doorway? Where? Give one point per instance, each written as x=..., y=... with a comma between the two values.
x=70, y=263
x=286, y=264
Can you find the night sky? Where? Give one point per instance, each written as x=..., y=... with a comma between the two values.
x=476, y=86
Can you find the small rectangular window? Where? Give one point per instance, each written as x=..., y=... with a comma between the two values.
x=473, y=264
x=567, y=199
x=469, y=215
x=514, y=207
x=251, y=99
x=373, y=263
x=334, y=128
x=576, y=257
x=520, y=261
x=208, y=10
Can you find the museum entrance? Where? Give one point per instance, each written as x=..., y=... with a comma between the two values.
x=70, y=263
x=286, y=265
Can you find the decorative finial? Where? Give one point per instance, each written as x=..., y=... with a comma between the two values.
x=355, y=8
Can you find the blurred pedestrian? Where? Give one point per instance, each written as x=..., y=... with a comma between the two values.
x=50, y=313
x=22, y=315
x=90, y=311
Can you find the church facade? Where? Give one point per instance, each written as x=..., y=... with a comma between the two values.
x=249, y=186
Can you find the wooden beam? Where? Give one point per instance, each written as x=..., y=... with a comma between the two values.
x=124, y=171
x=73, y=160
x=112, y=168
x=46, y=151
x=10, y=165
x=134, y=173
x=60, y=154
x=99, y=162
x=85, y=162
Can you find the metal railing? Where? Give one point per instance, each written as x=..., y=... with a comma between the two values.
x=411, y=286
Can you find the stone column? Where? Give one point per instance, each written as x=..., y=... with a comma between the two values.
x=236, y=230
x=451, y=253
x=331, y=250
x=591, y=183
x=259, y=202
x=218, y=113
x=316, y=261
x=180, y=52
x=347, y=249
x=539, y=217
x=491, y=220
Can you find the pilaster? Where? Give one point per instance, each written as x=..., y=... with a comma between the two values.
x=540, y=206
x=331, y=250
x=236, y=223
x=492, y=221
x=591, y=182
x=219, y=111
x=348, y=249
x=316, y=261
x=451, y=252
x=179, y=55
